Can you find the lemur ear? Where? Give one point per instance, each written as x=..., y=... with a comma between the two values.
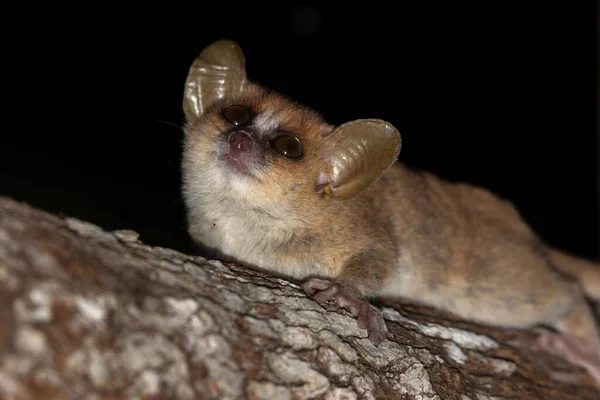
x=355, y=155
x=219, y=71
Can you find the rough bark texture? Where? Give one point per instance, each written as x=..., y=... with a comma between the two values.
x=89, y=314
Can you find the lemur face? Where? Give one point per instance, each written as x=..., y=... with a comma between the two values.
x=255, y=143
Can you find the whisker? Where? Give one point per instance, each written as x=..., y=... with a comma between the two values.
x=169, y=123
x=177, y=200
x=217, y=126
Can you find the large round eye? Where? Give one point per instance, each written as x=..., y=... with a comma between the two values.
x=237, y=115
x=288, y=146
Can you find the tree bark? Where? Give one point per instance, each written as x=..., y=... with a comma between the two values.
x=89, y=314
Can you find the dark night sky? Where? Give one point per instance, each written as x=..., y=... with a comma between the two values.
x=502, y=96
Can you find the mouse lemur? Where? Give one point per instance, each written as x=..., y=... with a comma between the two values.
x=269, y=183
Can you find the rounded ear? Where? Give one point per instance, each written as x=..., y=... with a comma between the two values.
x=219, y=71
x=355, y=155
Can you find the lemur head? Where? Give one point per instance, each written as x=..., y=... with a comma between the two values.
x=247, y=141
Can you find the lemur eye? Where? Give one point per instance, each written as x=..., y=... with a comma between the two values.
x=288, y=146
x=237, y=115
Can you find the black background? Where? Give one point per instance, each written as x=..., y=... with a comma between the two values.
x=499, y=94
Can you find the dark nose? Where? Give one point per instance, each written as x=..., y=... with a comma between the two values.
x=240, y=143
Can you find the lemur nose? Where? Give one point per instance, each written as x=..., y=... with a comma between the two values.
x=240, y=142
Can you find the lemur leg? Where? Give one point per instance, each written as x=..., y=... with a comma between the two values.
x=356, y=278
x=367, y=317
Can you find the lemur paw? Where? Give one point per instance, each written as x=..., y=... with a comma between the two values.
x=367, y=317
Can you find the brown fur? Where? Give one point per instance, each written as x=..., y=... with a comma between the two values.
x=456, y=235
x=407, y=235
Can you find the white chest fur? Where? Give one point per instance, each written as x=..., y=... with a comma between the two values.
x=221, y=216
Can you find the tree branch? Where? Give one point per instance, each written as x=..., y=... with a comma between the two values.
x=94, y=314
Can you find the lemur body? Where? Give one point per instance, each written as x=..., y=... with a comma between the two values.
x=269, y=183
